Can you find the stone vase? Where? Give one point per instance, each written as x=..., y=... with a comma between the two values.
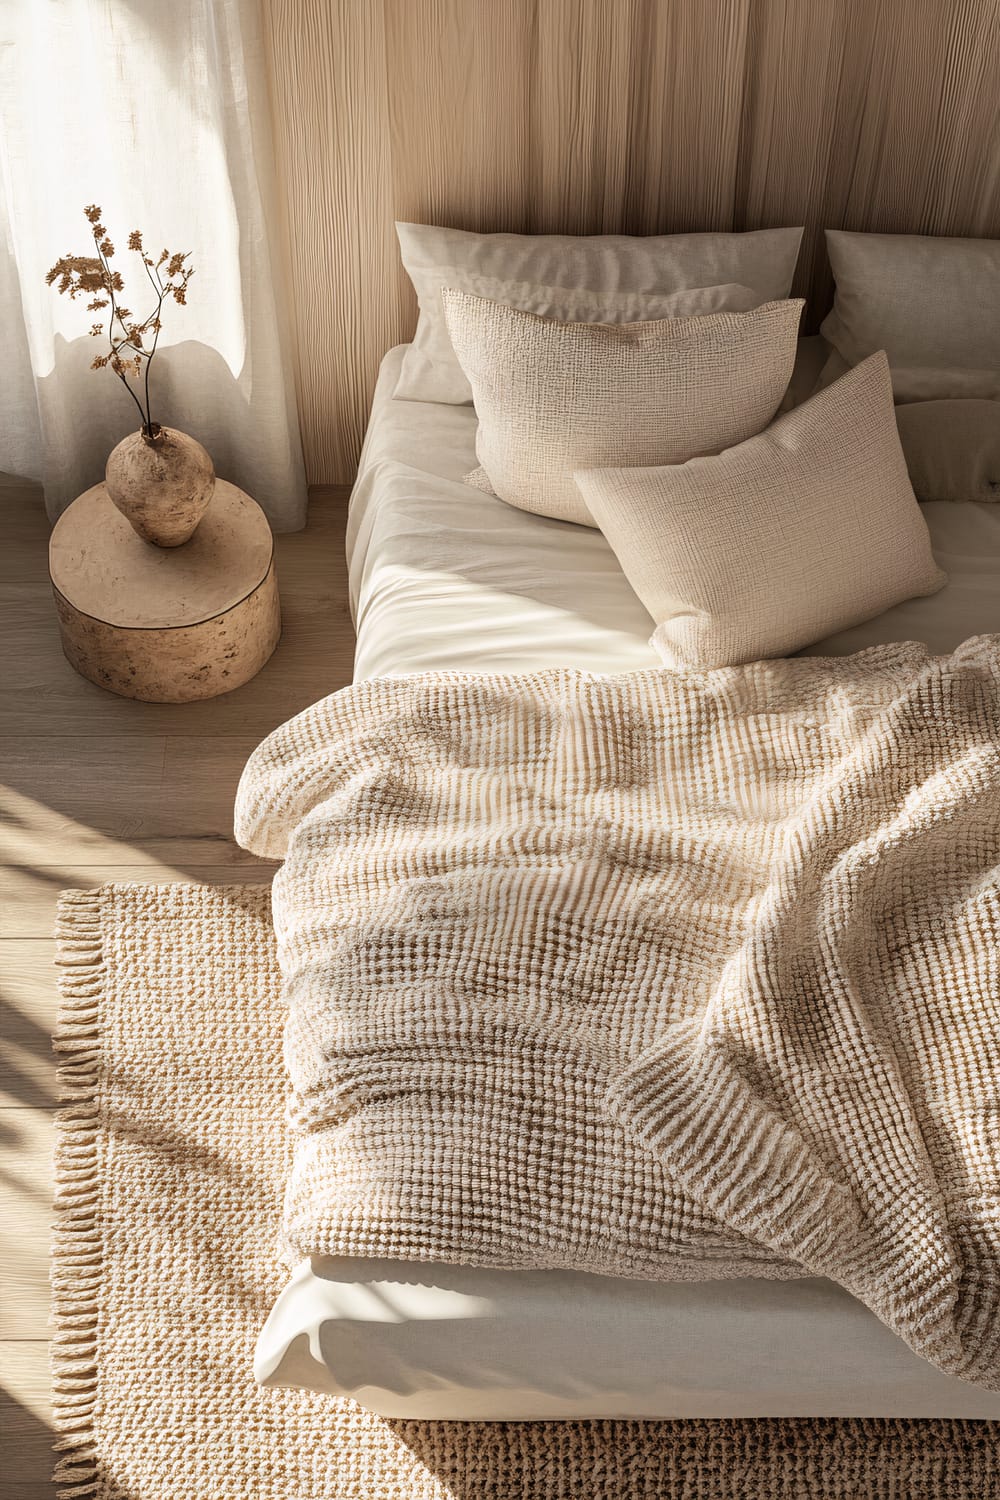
x=162, y=483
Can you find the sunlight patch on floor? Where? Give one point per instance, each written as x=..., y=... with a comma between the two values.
x=26, y=823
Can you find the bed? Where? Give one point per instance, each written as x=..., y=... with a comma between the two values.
x=444, y=576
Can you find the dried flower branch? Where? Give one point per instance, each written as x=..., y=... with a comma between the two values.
x=132, y=344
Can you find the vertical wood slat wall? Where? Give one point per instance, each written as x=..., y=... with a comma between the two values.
x=605, y=116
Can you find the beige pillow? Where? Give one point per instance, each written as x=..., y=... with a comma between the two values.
x=577, y=279
x=933, y=304
x=804, y=530
x=952, y=448
x=443, y=380
x=553, y=397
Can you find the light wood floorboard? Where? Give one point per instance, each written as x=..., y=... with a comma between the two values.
x=95, y=788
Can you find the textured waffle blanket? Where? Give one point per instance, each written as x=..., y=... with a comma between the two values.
x=667, y=974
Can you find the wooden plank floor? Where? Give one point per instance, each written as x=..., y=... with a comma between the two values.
x=94, y=788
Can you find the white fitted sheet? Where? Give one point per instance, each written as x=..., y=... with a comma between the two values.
x=443, y=576
x=467, y=1343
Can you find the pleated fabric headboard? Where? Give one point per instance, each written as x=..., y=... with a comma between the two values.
x=605, y=116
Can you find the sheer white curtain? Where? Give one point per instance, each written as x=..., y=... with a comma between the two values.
x=157, y=110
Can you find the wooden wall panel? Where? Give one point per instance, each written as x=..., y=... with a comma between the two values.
x=459, y=125
x=685, y=115
x=334, y=156
x=601, y=116
x=582, y=83
x=460, y=122
x=868, y=114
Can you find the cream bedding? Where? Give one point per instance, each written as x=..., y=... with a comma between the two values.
x=663, y=974
x=445, y=577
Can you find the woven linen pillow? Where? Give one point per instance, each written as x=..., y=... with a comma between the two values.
x=933, y=305
x=804, y=530
x=578, y=279
x=445, y=381
x=553, y=397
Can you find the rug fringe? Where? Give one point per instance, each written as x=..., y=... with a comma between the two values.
x=76, y=1233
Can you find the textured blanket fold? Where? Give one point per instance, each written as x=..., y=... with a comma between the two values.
x=667, y=974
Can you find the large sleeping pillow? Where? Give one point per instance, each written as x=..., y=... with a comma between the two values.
x=553, y=397
x=933, y=305
x=579, y=279
x=952, y=448
x=806, y=529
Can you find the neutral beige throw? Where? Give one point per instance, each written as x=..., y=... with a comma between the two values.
x=666, y=974
x=168, y=1193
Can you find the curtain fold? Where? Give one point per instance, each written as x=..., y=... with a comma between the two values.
x=158, y=113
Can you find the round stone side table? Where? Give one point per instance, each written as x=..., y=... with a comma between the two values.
x=167, y=625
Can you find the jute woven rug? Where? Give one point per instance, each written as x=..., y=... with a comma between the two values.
x=170, y=1165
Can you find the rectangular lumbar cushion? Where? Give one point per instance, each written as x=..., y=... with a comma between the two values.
x=932, y=303
x=806, y=529
x=604, y=278
x=553, y=397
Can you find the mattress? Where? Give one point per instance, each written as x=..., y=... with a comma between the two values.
x=443, y=576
